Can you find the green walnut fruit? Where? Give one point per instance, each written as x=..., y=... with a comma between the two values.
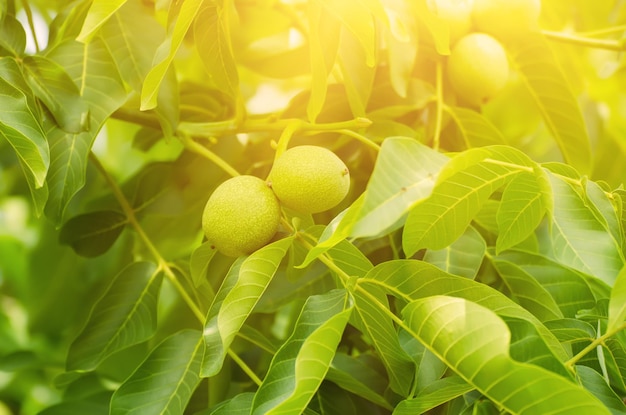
x=457, y=13
x=506, y=19
x=241, y=216
x=478, y=68
x=309, y=179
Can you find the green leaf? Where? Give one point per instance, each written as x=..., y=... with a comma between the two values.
x=99, y=12
x=617, y=302
x=462, y=187
x=435, y=394
x=216, y=51
x=521, y=210
x=199, y=263
x=20, y=126
x=299, y=366
x=569, y=330
x=92, y=234
x=235, y=301
x=527, y=291
x=475, y=344
x=125, y=315
x=596, y=384
x=462, y=257
x=373, y=320
x=360, y=375
x=474, y=128
x=165, y=381
x=166, y=52
x=559, y=107
x=239, y=405
x=12, y=36
x=358, y=79
x=92, y=67
x=54, y=87
x=602, y=207
x=573, y=226
x=569, y=288
x=413, y=279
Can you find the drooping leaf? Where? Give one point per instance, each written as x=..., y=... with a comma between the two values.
x=547, y=83
x=92, y=234
x=99, y=12
x=125, y=315
x=463, y=257
x=438, y=393
x=573, y=227
x=300, y=365
x=462, y=187
x=92, y=67
x=199, y=262
x=475, y=345
x=166, y=52
x=54, y=87
x=165, y=381
x=240, y=291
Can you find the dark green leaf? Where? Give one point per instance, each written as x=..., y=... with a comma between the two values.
x=92, y=234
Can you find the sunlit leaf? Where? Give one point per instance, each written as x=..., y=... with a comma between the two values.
x=12, y=36
x=92, y=234
x=462, y=187
x=300, y=365
x=125, y=315
x=475, y=344
x=239, y=405
x=573, y=227
x=463, y=257
x=166, y=52
x=559, y=107
x=617, y=302
x=474, y=128
x=99, y=12
x=241, y=290
x=165, y=381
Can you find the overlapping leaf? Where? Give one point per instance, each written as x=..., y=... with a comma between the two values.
x=474, y=128
x=124, y=316
x=92, y=234
x=439, y=392
x=239, y=293
x=412, y=279
x=99, y=12
x=475, y=344
x=165, y=381
x=404, y=173
x=617, y=302
x=92, y=67
x=596, y=384
x=462, y=187
x=462, y=257
x=301, y=363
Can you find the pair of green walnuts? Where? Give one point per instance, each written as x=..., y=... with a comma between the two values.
x=243, y=213
x=478, y=66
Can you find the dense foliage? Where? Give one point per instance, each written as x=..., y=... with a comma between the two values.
x=476, y=264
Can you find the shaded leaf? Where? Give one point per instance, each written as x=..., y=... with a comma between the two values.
x=12, y=35
x=475, y=344
x=239, y=405
x=595, y=383
x=92, y=234
x=301, y=363
x=165, y=381
x=435, y=394
x=125, y=315
x=237, y=297
x=199, y=263
x=617, y=302
x=571, y=330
